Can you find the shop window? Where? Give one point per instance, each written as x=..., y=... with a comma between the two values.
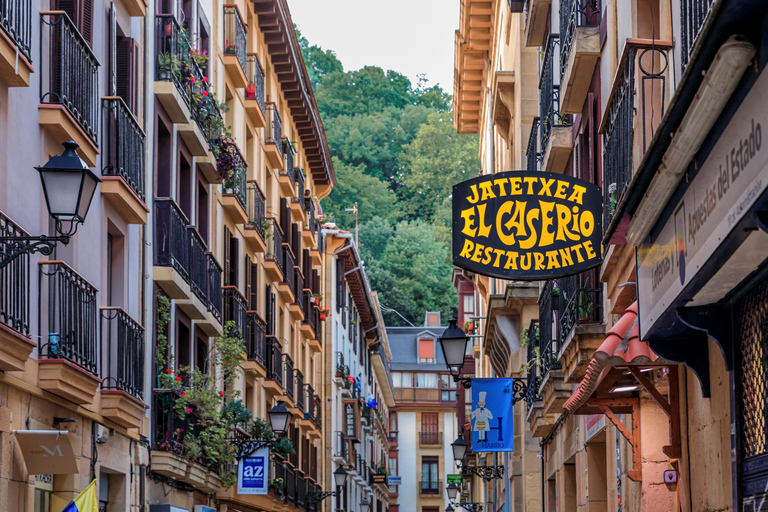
x=43, y=493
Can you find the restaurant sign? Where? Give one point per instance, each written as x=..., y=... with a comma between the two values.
x=526, y=225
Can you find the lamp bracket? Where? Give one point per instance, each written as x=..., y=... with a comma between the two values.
x=472, y=507
x=520, y=389
x=484, y=472
x=11, y=247
x=247, y=447
x=318, y=496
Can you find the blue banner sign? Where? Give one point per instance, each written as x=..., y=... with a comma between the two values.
x=394, y=480
x=253, y=473
x=492, y=422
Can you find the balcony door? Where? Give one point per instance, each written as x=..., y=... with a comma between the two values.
x=430, y=475
x=429, y=430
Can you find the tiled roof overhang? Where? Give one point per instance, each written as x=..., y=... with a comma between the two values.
x=359, y=288
x=275, y=22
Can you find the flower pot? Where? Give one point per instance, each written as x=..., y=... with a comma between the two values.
x=322, y=316
x=272, y=491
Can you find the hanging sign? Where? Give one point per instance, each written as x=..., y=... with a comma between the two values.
x=378, y=478
x=492, y=422
x=394, y=480
x=453, y=479
x=350, y=419
x=253, y=473
x=526, y=225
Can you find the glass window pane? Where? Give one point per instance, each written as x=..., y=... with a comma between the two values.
x=407, y=380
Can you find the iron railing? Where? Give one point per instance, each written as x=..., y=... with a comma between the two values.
x=274, y=131
x=274, y=360
x=236, y=184
x=392, y=437
x=300, y=395
x=124, y=145
x=533, y=154
x=431, y=438
x=652, y=63
x=235, y=309
x=234, y=35
x=255, y=207
x=214, y=286
x=171, y=238
x=256, y=339
x=288, y=271
x=299, y=287
x=16, y=22
x=308, y=309
x=549, y=341
x=198, y=265
x=340, y=446
x=288, y=170
x=318, y=411
x=693, y=14
x=575, y=14
x=123, y=366
x=533, y=380
x=275, y=248
x=255, y=88
x=72, y=328
x=288, y=379
x=14, y=282
x=310, y=402
x=300, y=183
x=70, y=76
x=549, y=96
x=581, y=300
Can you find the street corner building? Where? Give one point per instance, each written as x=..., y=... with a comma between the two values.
x=170, y=302
x=641, y=380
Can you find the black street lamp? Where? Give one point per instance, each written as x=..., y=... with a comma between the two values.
x=452, y=489
x=278, y=418
x=449, y=508
x=339, y=478
x=454, y=345
x=278, y=422
x=459, y=447
x=68, y=186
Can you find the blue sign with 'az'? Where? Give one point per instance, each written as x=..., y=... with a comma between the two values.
x=252, y=473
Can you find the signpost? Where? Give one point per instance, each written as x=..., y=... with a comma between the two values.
x=526, y=225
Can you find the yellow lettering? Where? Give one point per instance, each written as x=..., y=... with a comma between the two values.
x=552, y=260
x=562, y=186
x=547, y=235
x=484, y=230
x=466, y=251
x=563, y=218
x=501, y=184
x=478, y=252
x=577, y=249
x=514, y=186
x=505, y=209
x=589, y=249
x=531, y=240
x=530, y=182
x=525, y=264
x=487, y=192
x=539, y=265
x=587, y=223
x=488, y=255
x=499, y=253
x=474, y=198
x=565, y=256
x=512, y=260
x=469, y=221
x=546, y=185
x=578, y=194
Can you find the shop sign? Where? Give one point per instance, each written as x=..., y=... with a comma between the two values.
x=595, y=424
x=453, y=479
x=253, y=473
x=378, y=478
x=526, y=225
x=350, y=419
x=44, y=482
x=733, y=176
x=492, y=425
x=394, y=480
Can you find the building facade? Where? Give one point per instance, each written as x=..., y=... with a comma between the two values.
x=642, y=381
x=423, y=423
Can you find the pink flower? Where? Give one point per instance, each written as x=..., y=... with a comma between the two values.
x=205, y=93
x=205, y=79
x=191, y=79
x=189, y=409
x=205, y=52
x=182, y=393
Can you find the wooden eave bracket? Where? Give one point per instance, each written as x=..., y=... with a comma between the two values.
x=671, y=406
x=633, y=437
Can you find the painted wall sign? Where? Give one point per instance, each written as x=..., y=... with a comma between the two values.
x=492, y=422
x=595, y=424
x=733, y=176
x=253, y=473
x=526, y=225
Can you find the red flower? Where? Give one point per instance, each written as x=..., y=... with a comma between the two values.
x=168, y=371
x=205, y=93
x=178, y=378
x=191, y=79
x=182, y=393
x=205, y=79
x=221, y=393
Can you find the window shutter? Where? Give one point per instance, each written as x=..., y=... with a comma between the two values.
x=234, y=246
x=268, y=313
x=85, y=24
x=254, y=284
x=248, y=290
x=305, y=455
x=296, y=242
x=285, y=220
x=426, y=349
x=127, y=72
x=227, y=255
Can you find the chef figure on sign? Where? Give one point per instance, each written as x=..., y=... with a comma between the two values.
x=482, y=418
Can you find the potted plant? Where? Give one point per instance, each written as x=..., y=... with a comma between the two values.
x=341, y=372
x=468, y=326
x=276, y=486
x=324, y=313
x=586, y=305
x=316, y=298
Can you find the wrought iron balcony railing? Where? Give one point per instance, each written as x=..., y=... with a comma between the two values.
x=70, y=71
x=255, y=207
x=288, y=377
x=533, y=155
x=234, y=34
x=340, y=446
x=14, y=282
x=431, y=488
x=256, y=339
x=431, y=438
x=171, y=238
x=235, y=309
x=236, y=184
x=650, y=64
x=274, y=131
x=255, y=88
x=274, y=360
x=693, y=14
x=310, y=401
x=318, y=410
x=72, y=323
x=581, y=299
x=124, y=145
x=549, y=340
x=300, y=394
x=298, y=285
x=574, y=14
x=123, y=365
x=532, y=372
x=275, y=248
x=198, y=265
x=215, y=300
x=549, y=95
x=300, y=183
x=288, y=271
x=16, y=22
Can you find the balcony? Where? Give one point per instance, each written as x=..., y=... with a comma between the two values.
x=301, y=394
x=309, y=325
x=693, y=14
x=392, y=438
x=274, y=381
x=235, y=46
x=254, y=91
x=274, y=262
x=15, y=340
x=310, y=226
x=298, y=206
x=273, y=145
x=256, y=344
x=581, y=323
x=235, y=310
x=16, y=40
x=296, y=308
x=234, y=199
x=257, y=224
x=533, y=153
x=579, y=51
x=195, y=304
x=69, y=359
x=287, y=177
x=123, y=173
x=122, y=390
x=555, y=129
x=417, y=395
x=212, y=324
x=553, y=390
x=69, y=85
x=431, y=488
x=289, y=384
x=536, y=22
x=287, y=288
x=171, y=249
x=340, y=448
x=430, y=439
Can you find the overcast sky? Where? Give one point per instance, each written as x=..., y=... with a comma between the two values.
x=408, y=36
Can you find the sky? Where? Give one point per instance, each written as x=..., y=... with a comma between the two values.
x=408, y=36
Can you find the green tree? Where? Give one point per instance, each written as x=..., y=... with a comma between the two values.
x=319, y=62
x=366, y=90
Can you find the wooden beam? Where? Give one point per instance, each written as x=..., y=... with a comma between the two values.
x=650, y=388
x=633, y=438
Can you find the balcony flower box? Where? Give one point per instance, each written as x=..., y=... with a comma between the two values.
x=169, y=464
x=195, y=475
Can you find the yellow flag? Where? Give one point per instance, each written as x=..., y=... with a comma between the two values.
x=86, y=501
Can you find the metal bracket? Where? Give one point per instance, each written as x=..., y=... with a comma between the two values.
x=688, y=351
x=484, y=472
x=318, y=496
x=472, y=507
x=247, y=447
x=519, y=388
x=717, y=322
x=11, y=247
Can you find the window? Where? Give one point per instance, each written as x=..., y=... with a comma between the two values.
x=447, y=396
x=392, y=421
x=469, y=307
x=427, y=350
x=393, y=471
x=430, y=476
x=81, y=14
x=426, y=380
x=43, y=492
x=447, y=382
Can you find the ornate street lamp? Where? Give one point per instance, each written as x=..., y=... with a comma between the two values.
x=365, y=505
x=278, y=418
x=278, y=421
x=449, y=508
x=68, y=186
x=459, y=447
x=454, y=345
x=452, y=489
x=339, y=478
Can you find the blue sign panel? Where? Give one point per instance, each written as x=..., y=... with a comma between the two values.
x=253, y=473
x=492, y=425
x=394, y=480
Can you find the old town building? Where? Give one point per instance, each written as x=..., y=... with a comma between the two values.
x=643, y=380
